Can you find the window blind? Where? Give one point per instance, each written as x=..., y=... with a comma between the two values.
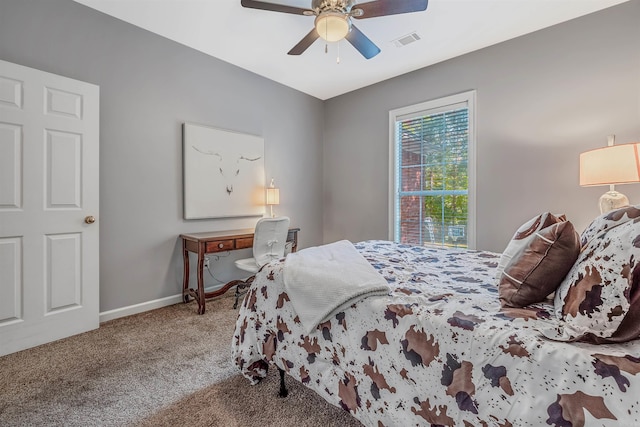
x=432, y=168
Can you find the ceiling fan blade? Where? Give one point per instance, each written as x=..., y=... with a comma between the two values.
x=366, y=47
x=251, y=4
x=388, y=7
x=304, y=43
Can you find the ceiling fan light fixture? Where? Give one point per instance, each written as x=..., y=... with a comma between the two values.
x=332, y=26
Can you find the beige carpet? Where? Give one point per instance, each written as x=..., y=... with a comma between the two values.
x=166, y=367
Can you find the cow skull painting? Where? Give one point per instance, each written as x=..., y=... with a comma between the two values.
x=223, y=173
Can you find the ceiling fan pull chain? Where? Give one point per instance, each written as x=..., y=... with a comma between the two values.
x=326, y=31
x=338, y=58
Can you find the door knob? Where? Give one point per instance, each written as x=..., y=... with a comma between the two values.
x=89, y=219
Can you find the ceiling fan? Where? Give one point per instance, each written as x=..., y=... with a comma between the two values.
x=333, y=19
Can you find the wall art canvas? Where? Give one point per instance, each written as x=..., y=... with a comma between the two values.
x=223, y=173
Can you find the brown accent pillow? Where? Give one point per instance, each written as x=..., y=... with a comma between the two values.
x=523, y=235
x=538, y=268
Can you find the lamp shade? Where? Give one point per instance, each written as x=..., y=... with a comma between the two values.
x=615, y=164
x=273, y=196
x=332, y=26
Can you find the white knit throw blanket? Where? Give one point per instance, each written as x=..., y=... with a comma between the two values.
x=323, y=279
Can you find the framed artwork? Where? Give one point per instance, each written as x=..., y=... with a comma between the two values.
x=223, y=173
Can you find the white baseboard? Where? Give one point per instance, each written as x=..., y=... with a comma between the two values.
x=145, y=306
x=139, y=308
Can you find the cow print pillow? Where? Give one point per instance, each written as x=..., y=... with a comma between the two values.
x=607, y=221
x=601, y=288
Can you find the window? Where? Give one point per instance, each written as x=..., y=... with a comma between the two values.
x=432, y=196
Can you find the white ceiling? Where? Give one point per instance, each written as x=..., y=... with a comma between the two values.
x=259, y=40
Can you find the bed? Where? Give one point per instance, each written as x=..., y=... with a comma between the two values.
x=440, y=347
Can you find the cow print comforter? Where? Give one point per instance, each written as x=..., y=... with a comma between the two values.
x=438, y=350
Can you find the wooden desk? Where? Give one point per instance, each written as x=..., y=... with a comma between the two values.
x=220, y=241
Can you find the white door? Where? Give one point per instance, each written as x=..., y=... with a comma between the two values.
x=48, y=187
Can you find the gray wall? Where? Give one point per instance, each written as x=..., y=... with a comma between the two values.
x=149, y=86
x=541, y=100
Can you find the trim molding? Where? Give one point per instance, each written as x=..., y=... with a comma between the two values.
x=139, y=308
x=142, y=307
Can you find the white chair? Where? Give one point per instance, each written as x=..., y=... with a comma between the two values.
x=269, y=243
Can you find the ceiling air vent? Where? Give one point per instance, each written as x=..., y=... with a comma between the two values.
x=405, y=40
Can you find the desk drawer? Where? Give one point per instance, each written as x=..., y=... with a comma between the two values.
x=244, y=243
x=219, y=246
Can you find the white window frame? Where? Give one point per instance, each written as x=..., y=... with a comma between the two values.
x=418, y=110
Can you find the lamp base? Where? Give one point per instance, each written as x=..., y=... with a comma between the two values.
x=612, y=200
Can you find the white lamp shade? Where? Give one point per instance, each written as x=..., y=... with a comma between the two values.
x=332, y=26
x=616, y=164
x=273, y=196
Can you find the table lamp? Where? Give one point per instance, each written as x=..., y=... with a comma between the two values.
x=611, y=165
x=273, y=196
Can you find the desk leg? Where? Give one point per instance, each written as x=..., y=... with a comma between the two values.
x=201, y=296
x=185, y=275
